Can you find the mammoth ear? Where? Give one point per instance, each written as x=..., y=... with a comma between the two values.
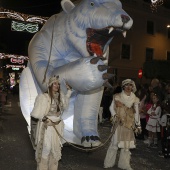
x=67, y=5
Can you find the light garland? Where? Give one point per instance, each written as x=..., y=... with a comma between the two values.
x=17, y=60
x=5, y=56
x=155, y=4
x=5, y=13
x=15, y=66
x=18, y=26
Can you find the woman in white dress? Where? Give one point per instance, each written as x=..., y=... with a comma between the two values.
x=48, y=108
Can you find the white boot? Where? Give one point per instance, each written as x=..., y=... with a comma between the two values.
x=124, y=160
x=43, y=165
x=110, y=156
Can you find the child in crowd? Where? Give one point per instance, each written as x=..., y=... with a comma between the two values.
x=148, y=104
x=153, y=125
x=165, y=131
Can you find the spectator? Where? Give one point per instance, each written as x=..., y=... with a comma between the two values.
x=105, y=103
x=167, y=92
x=165, y=130
x=148, y=104
x=152, y=125
x=141, y=94
x=156, y=88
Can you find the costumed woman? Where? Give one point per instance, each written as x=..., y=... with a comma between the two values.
x=126, y=120
x=48, y=109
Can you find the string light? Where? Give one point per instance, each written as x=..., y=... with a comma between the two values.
x=5, y=56
x=155, y=4
x=18, y=26
x=15, y=66
x=5, y=13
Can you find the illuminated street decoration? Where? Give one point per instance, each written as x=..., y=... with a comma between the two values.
x=155, y=4
x=19, y=26
x=5, y=13
x=17, y=60
x=15, y=66
x=5, y=56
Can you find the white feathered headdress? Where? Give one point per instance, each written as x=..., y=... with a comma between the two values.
x=52, y=80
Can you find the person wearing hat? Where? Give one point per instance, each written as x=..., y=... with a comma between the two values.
x=126, y=120
x=48, y=109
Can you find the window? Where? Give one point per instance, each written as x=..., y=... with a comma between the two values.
x=168, y=55
x=149, y=54
x=150, y=27
x=125, y=54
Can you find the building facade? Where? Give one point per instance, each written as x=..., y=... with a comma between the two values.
x=148, y=39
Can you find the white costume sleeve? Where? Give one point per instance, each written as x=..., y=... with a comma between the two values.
x=40, y=107
x=137, y=115
x=65, y=98
x=111, y=108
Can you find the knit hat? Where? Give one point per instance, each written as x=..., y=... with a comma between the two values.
x=52, y=80
x=129, y=81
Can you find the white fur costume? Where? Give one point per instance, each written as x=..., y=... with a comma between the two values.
x=47, y=140
x=120, y=139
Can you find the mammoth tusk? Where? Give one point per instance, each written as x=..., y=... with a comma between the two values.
x=107, y=76
x=108, y=85
x=94, y=60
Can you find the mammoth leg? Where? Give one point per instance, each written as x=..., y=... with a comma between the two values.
x=86, y=116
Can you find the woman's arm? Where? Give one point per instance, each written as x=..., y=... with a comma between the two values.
x=111, y=108
x=157, y=112
x=65, y=98
x=149, y=111
x=40, y=106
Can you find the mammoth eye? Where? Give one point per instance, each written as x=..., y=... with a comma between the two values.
x=92, y=3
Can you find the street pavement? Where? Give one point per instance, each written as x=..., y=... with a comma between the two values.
x=17, y=153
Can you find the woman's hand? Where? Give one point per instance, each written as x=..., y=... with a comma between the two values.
x=153, y=114
x=48, y=122
x=68, y=87
x=118, y=104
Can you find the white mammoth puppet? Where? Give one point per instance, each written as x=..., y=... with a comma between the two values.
x=74, y=44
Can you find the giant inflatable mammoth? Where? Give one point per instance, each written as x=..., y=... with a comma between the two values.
x=74, y=44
